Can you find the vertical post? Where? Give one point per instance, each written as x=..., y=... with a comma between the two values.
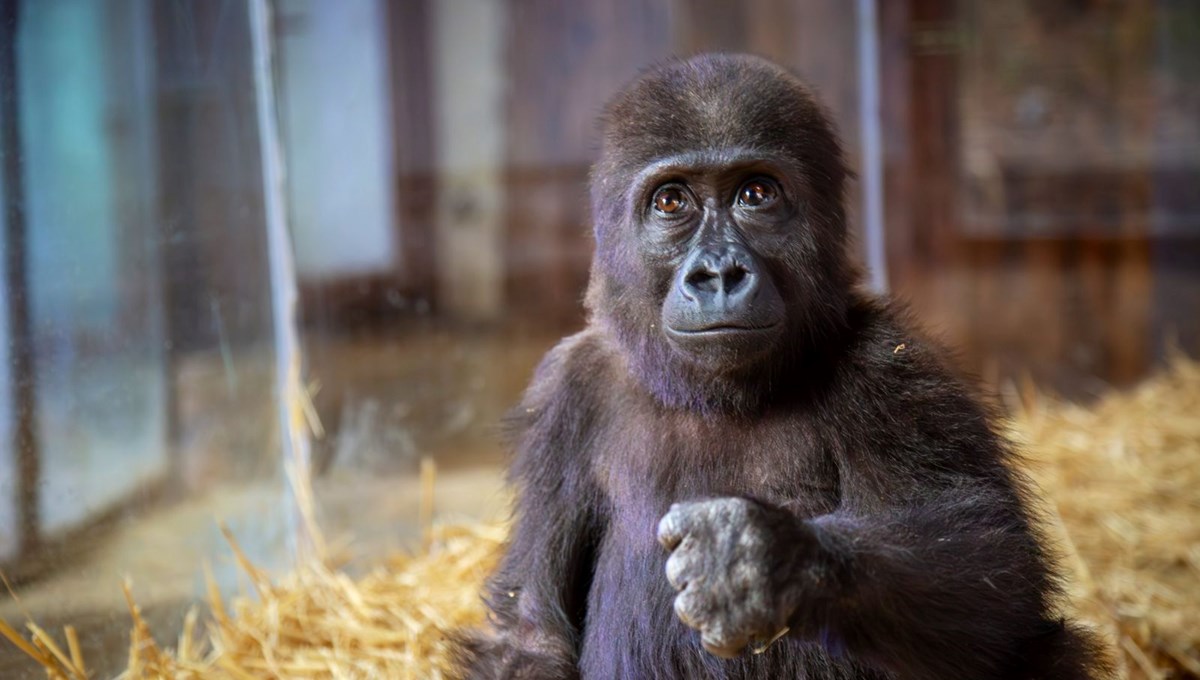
x=872, y=143
x=289, y=389
x=16, y=283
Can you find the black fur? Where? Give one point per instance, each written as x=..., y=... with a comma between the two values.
x=847, y=485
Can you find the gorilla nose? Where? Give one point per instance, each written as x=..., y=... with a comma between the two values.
x=721, y=291
x=719, y=274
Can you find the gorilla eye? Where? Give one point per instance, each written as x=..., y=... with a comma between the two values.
x=669, y=200
x=757, y=192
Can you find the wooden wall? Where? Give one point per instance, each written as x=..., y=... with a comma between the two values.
x=1028, y=201
x=1040, y=159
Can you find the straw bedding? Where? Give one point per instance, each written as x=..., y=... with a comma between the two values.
x=1122, y=479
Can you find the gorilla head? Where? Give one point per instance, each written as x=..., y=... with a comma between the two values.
x=720, y=234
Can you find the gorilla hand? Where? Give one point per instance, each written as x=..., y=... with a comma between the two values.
x=734, y=562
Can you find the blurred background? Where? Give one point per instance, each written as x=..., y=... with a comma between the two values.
x=1028, y=180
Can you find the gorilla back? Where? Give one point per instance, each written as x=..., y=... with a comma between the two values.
x=745, y=467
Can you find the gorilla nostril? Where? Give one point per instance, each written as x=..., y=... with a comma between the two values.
x=733, y=277
x=702, y=280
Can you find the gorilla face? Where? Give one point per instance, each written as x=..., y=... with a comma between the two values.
x=706, y=226
x=717, y=206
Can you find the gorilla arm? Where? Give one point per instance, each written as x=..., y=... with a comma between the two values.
x=538, y=593
x=929, y=567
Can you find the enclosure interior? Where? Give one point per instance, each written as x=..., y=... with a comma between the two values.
x=1027, y=179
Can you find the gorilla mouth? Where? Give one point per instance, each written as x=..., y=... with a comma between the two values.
x=725, y=345
x=722, y=329
x=745, y=339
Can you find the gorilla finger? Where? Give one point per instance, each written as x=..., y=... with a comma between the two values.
x=692, y=608
x=681, y=566
x=724, y=647
x=675, y=525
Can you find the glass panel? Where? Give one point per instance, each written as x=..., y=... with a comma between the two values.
x=10, y=486
x=93, y=271
x=140, y=239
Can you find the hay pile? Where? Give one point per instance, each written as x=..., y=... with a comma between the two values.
x=316, y=622
x=1122, y=480
x=1122, y=477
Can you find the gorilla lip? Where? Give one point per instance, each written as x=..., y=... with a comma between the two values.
x=721, y=329
x=747, y=341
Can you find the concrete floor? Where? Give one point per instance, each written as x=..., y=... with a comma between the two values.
x=385, y=402
x=163, y=552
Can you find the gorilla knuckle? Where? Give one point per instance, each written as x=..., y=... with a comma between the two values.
x=679, y=568
x=723, y=642
x=692, y=608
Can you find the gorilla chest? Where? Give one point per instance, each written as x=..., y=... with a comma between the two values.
x=647, y=466
x=631, y=629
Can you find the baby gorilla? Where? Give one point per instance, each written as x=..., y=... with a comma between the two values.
x=745, y=467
